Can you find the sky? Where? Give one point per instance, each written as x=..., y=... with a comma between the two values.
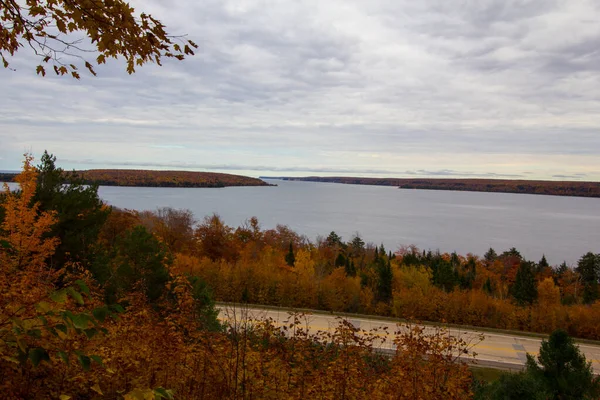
x=399, y=88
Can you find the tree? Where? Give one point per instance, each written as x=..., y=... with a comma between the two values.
x=357, y=245
x=385, y=277
x=340, y=260
x=548, y=294
x=175, y=228
x=490, y=256
x=524, y=290
x=512, y=252
x=588, y=267
x=509, y=386
x=53, y=30
x=24, y=243
x=487, y=286
x=333, y=240
x=215, y=238
x=79, y=209
x=563, y=371
x=290, y=259
x=139, y=260
x=542, y=264
x=562, y=268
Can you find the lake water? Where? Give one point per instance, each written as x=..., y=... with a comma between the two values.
x=562, y=228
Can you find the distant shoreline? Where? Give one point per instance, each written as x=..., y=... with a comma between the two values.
x=549, y=188
x=150, y=178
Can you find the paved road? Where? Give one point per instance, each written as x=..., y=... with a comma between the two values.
x=496, y=350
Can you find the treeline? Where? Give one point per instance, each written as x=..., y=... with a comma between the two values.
x=279, y=267
x=554, y=188
x=148, y=178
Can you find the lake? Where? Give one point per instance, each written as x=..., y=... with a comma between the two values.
x=562, y=228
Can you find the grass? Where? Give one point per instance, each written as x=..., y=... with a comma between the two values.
x=487, y=375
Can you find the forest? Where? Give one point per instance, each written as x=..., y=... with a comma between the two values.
x=99, y=303
x=149, y=178
x=554, y=188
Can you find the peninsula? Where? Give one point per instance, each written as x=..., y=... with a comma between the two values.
x=553, y=188
x=149, y=178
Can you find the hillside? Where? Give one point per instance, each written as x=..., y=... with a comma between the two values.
x=555, y=188
x=147, y=178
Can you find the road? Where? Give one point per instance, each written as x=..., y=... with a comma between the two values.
x=496, y=350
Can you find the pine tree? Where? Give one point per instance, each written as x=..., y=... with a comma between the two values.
x=542, y=264
x=340, y=260
x=588, y=267
x=490, y=256
x=384, y=282
x=350, y=268
x=290, y=258
x=487, y=286
x=524, y=290
x=79, y=209
x=563, y=371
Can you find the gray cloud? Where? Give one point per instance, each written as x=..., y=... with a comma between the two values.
x=465, y=88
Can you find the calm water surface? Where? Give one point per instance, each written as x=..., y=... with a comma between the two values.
x=562, y=228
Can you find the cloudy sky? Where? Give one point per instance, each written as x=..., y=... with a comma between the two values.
x=492, y=88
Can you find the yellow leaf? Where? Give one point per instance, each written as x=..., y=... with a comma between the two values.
x=96, y=388
x=64, y=397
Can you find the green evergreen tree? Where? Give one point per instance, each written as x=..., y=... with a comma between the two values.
x=588, y=267
x=80, y=211
x=385, y=277
x=543, y=263
x=511, y=386
x=524, y=290
x=563, y=371
x=443, y=274
x=490, y=256
x=512, y=252
x=357, y=245
x=138, y=258
x=562, y=269
x=205, y=304
x=340, y=260
x=350, y=268
x=290, y=258
x=333, y=240
x=487, y=286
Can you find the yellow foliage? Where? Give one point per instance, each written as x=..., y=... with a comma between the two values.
x=412, y=277
x=23, y=228
x=548, y=293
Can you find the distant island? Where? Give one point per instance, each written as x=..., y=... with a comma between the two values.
x=148, y=178
x=552, y=188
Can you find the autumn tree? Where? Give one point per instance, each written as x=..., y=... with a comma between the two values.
x=62, y=33
x=215, y=238
x=175, y=228
x=23, y=239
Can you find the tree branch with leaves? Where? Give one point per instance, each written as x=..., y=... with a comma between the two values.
x=50, y=29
